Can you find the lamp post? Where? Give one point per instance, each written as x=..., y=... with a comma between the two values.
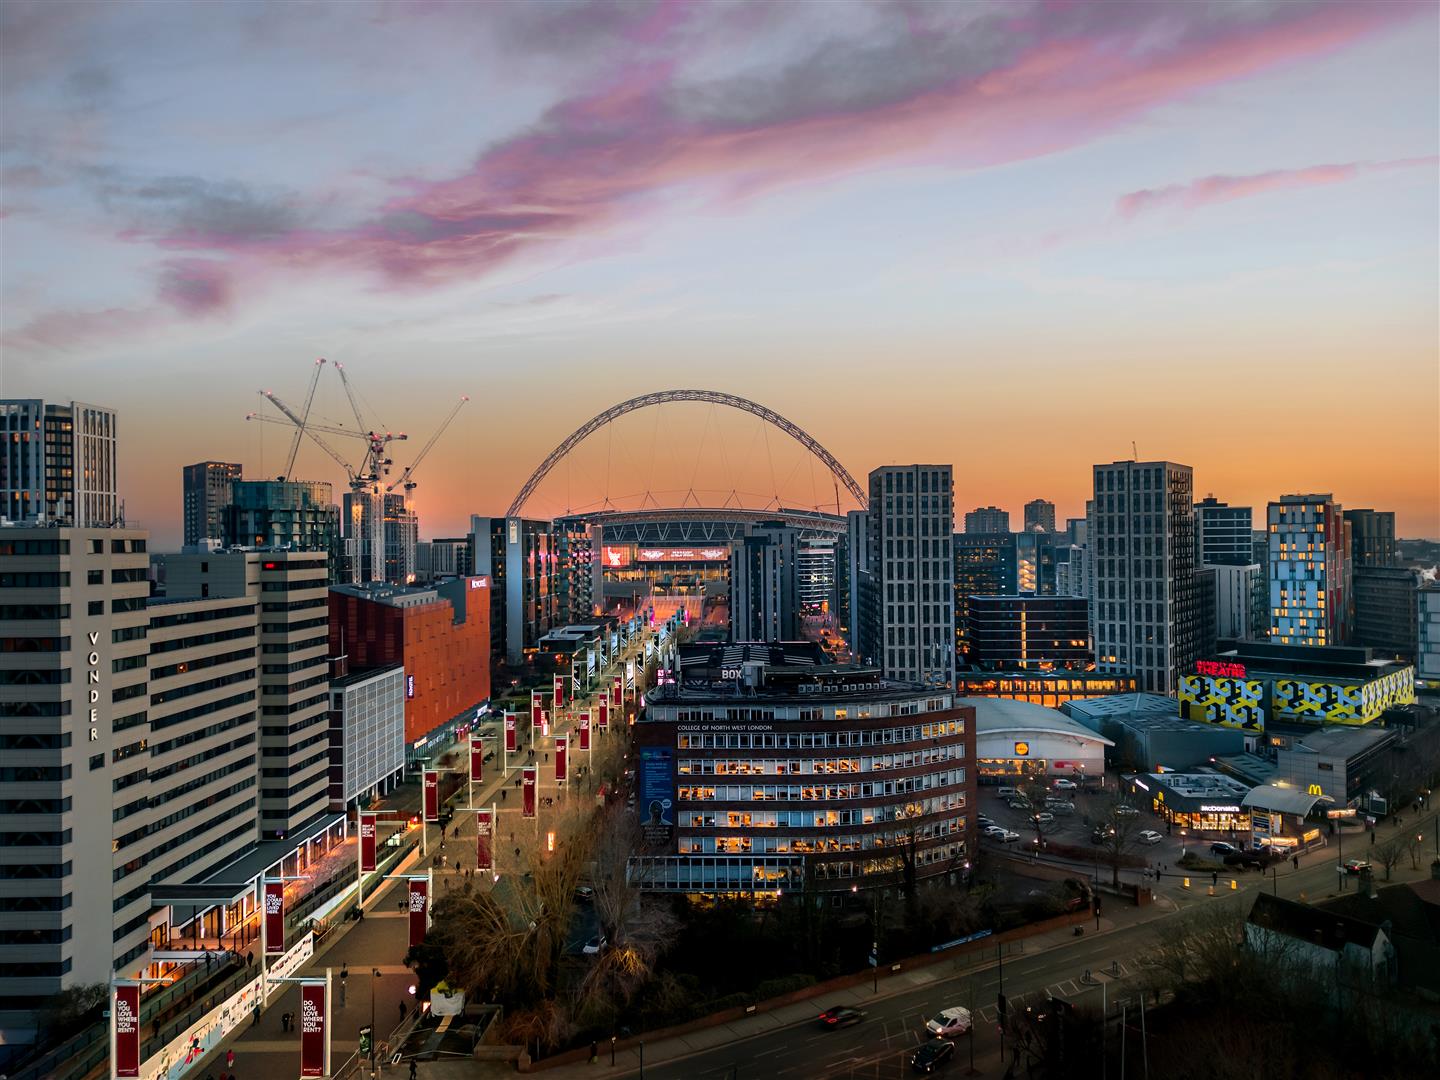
x=374, y=974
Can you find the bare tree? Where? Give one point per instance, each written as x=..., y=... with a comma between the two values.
x=1033, y=788
x=1415, y=847
x=1119, y=831
x=1390, y=853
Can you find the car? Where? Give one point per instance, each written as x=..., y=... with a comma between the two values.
x=1101, y=835
x=1060, y=806
x=584, y=893
x=1065, y=785
x=1006, y=792
x=594, y=945
x=840, y=1016
x=1007, y=836
x=993, y=830
x=1019, y=804
x=1042, y=818
x=1222, y=848
x=949, y=1022
x=1355, y=866
x=932, y=1055
x=1150, y=836
x=983, y=821
x=1125, y=811
x=1246, y=860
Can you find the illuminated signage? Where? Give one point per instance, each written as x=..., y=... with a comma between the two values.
x=409, y=686
x=615, y=557
x=1219, y=809
x=1022, y=749
x=705, y=554
x=1219, y=669
x=1142, y=785
x=479, y=582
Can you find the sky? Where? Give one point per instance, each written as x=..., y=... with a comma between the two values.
x=1019, y=237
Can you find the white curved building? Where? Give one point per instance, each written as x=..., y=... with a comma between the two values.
x=1015, y=737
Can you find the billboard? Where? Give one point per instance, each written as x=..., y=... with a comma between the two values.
x=432, y=795
x=274, y=893
x=477, y=761
x=683, y=554
x=125, y=1015
x=312, y=1028
x=367, y=843
x=562, y=754
x=419, y=909
x=657, y=793
x=484, y=860
x=614, y=558
x=529, y=775
x=511, y=736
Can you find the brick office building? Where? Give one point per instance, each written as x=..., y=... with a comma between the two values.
x=440, y=635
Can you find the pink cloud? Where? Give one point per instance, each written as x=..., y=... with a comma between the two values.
x=1065, y=75
x=1218, y=189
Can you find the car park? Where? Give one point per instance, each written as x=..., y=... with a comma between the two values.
x=932, y=1055
x=948, y=1023
x=840, y=1016
x=1150, y=836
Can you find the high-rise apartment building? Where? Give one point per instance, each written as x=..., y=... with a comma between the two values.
x=363, y=543
x=1235, y=592
x=402, y=533
x=575, y=549
x=764, y=578
x=1311, y=601
x=1224, y=533
x=520, y=557
x=58, y=463
x=207, y=491
x=911, y=526
x=442, y=558
x=815, y=580
x=864, y=620
x=989, y=520
x=1387, y=610
x=294, y=641
x=1040, y=516
x=295, y=515
x=1372, y=538
x=1147, y=607
x=1427, y=652
x=1008, y=633
x=986, y=564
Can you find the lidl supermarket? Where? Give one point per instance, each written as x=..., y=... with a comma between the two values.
x=1250, y=684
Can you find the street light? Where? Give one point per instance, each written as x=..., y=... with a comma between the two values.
x=375, y=974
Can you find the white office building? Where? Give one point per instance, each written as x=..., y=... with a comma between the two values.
x=911, y=521
x=1235, y=599
x=1146, y=608
x=58, y=463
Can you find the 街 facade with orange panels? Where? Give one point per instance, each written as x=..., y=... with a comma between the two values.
x=440, y=635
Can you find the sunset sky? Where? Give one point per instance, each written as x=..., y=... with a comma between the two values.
x=1013, y=236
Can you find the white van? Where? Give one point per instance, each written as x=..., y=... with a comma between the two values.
x=949, y=1022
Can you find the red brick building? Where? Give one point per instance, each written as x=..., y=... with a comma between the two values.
x=441, y=635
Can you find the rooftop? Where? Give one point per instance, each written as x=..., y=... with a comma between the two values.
x=380, y=592
x=1329, y=929
x=1283, y=798
x=1342, y=740
x=1125, y=706
x=1198, y=785
x=365, y=675
x=1000, y=715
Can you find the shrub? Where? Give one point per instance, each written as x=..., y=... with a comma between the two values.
x=786, y=984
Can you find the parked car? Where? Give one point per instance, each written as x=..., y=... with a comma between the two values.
x=1247, y=860
x=948, y=1023
x=993, y=831
x=1019, y=804
x=1062, y=806
x=840, y=1016
x=1150, y=836
x=1065, y=785
x=1042, y=818
x=983, y=821
x=932, y=1055
x=1005, y=791
x=1125, y=811
x=1100, y=834
x=1222, y=848
x=584, y=893
x=1008, y=836
x=594, y=945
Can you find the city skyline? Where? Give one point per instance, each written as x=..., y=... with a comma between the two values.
x=914, y=232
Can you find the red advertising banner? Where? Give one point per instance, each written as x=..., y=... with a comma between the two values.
x=125, y=1014
x=477, y=762
x=562, y=747
x=537, y=710
x=511, y=734
x=584, y=729
x=419, y=909
x=529, y=776
x=483, y=859
x=559, y=692
x=616, y=690
x=602, y=718
x=432, y=795
x=367, y=843
x=274, y=915
x=312, y=1029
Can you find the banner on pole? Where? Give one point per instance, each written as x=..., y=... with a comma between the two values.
x=537, y=710
x=511, y=738
x=432, y=795
x=125, y=1014
x=419, y=909
x=274, y=893
x=544, y=725
x=528, y=777
x=484, y=860
x=312, y=1028
x=584, y=730
x=367, y=843
x=602, y=717
x=559, y=692
x=616, y=689
x=562, y=747
x=477, y=761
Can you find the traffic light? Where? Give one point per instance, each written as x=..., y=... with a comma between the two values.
x=365, y=1043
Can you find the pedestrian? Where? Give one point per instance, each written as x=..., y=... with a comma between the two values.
x=230, y=1054
x=255, y=1021
x=344, y=970
x=285, y=1021
x=1296, y=860
x=503, y=793
x=1372, y=839
x=594, y=1051
x=249, y=958
x=1214, y=879
x=412, y=1069
x=517, y=852
x=207, y=961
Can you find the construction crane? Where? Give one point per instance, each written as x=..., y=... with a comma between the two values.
x=405, y=477
x=304, y=417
